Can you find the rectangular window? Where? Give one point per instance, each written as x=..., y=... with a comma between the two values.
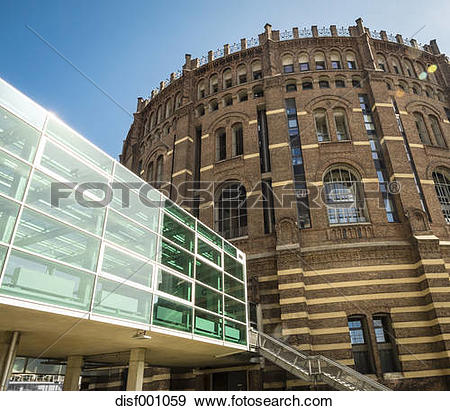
x=360, y=345
x=221, y=146
x=209, y=252
x=268, y=206
x=208, y=299
x=304, y=66
x=13, y=176
x=174, y=285
x=122, y=301
x=179, y=213
x=233, y=267
x=208, y=275
x=234, y=288
x=177, y=233
x=37, y=279
x=53, y=239
x=177, y=259
x=288, y=68
x=263, y=141
x=385, y=345
x=209, y=234
x=235, y=309
x=8, y=216
x=235, y=333
x=170, y=314
x=320, y=65
x=208, y=325
x=336, y=65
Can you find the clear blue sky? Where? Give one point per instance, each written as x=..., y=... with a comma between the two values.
x=128, y=47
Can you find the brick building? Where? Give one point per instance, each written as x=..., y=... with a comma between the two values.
x=323, y=154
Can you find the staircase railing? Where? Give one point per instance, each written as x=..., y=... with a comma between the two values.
x=312, y=368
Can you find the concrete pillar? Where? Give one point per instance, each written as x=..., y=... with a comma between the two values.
x=136, y=367
x=8, y=348
x=73, y=373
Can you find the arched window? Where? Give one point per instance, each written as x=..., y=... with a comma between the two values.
x=341, y=125
x=303, y=61
x=221, y=144
x=201, y=89
x=429, y=92
x=439, y=138
x=307, y=85
x=257, y=70
x=228, y=100
x=152, y=120
x=214, y=84
x=159, y=114
x=243, y=95
x=150, y=173
x=335, y=60
x=384, y=337
x=242, y=74
x=441, y=178
x=422, y=129
x=168, y=108
x=291, y=85
x=200, y=110
x=421, y=70
x=320, y=119
x=159, y=171
x=339, y=82
x=288, y=63
x=409, y=69
x=213, y=105
x=351, y=60
x=323, y=82
x=396, y=66
x=178, y=101
x=319, y=60
x=381, y=62
x=344, y=197
x=237, y=139
x=231, y=210
x=416, y=89
x=359, y=338
x=388, y=84
x=403, y=86
x=258, y=92
x=227, y=80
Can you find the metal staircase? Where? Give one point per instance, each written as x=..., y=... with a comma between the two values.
x=312, y=368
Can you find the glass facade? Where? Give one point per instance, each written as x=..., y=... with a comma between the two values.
x=80, y=232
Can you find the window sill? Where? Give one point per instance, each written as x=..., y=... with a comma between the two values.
x=239, y=157
x=349, y=224
x=393, y=376
x=244, y=237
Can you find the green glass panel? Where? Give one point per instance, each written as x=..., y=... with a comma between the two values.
x=170, y=314
x=235, y=333
x=179, y=213
x=8, y=215
x=17, y=136
x=177, y=233
x=209, y=234
x=177, y=259
x=174, y=285
x=23, y=106
x=233, y=267
x=234, y=288
x=208, y=299
x=211, y=253
x=70, y=168
x=235, y=309
x=121, y=231
x=127, y=267
x=48, y=237
x=19, y=365
x=68, y=137
x=122, y=301
x=2, y=256
x=13, y=176
x=208, y=275
x=37, y=279
x=66, y=209
x=230, y=249
x=208, y=325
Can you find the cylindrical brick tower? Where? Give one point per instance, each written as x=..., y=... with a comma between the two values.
x=323, y=154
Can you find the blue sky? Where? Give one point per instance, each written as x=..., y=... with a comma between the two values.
x=128, y=47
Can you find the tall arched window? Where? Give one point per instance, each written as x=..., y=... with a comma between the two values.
x=320, y=119
x=221, y=144
x=303, y=61
x=409, y=69
x=231, y=210
x=359, y=338
x=422, y=129
x=351, y=60
x=150, y=173
x=384, y=336
x=257, y=70
x=335, y=60
x=439, y=138
x=396, y=66
x=227, y=79
x=168, y=108
x=152, y=120
x=242, y=74
x=344, y=197
x=214, y=84
x=441, y=178
x=178, y=101
x=159, y=170
x=288, y=63
x=381, y=62
x=341, y=125
x=319, y=60
x=201, y=89
x=159, y=114
x=238, y=139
